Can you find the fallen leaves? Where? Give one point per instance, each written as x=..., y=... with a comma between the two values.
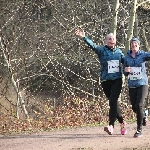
x=73, y=112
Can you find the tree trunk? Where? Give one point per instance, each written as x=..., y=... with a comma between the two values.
x=136, y=32
x=114, y=19
x=145, y=40
x=131, y=24
x=13, y=82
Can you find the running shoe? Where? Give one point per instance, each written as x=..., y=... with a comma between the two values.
x=109, y=129
x=123, y=129
x=145, y=121
x=138, y=133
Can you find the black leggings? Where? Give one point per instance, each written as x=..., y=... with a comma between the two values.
x=137, y=99
x=112, y=89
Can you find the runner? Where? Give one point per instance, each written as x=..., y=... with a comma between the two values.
x=134, y=68
x=110, y=58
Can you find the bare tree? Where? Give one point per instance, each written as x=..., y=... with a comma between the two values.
x=114, y=19
x=14, y=83
x=45, y=57
x=131, y=24
x=132, y=20
x=145, y=40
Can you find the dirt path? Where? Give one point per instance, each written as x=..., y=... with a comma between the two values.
x=85, y=138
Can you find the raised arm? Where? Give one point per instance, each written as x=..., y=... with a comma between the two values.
x=80, y=33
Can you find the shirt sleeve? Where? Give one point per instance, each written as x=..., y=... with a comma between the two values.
x=92, y=45
x=147, y=56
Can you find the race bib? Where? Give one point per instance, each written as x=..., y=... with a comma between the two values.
x=113, y=66
x=135, y=73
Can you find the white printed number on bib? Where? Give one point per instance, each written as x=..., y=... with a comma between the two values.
x=135, y=73
x=113, y=66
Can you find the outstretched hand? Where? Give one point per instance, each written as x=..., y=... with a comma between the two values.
x=79, y=32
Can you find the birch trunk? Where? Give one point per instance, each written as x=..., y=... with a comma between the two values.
x=131, y=24
x=114, y=19
x=145, y=40
x=13, y=82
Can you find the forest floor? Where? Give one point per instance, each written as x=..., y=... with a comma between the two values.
x=81, y=138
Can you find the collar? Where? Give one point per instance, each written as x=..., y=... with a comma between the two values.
x=135, y=53
x=111, y=49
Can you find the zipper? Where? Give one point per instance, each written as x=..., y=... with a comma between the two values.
x=134, y=61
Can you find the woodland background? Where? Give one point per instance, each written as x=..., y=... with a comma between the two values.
x=49, y=77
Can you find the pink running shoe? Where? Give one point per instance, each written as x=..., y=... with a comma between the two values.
x=109, y=129
x=123, y=129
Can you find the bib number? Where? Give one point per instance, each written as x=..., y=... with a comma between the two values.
x=135, y=73
x=113, y=66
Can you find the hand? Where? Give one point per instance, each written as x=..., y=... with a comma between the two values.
x=127, y=69
x=80, y=33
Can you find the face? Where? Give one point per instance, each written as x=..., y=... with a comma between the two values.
x=111, y=41
x=134, y=46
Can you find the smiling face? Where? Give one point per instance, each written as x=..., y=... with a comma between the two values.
x=110, y=40
x=134, y=46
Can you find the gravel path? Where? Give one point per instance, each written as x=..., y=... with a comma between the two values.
x=84, y=138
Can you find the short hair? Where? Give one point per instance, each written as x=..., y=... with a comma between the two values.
x=108, y=35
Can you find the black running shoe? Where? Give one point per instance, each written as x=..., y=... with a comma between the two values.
x=138, y=133
x=145, y=121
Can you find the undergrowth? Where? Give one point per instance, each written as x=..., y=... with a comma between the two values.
x=72, y=113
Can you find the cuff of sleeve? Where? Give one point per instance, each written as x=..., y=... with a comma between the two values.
x=84, y=38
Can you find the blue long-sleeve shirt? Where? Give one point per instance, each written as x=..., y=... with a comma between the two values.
x=110, y=60
x=137, y=75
